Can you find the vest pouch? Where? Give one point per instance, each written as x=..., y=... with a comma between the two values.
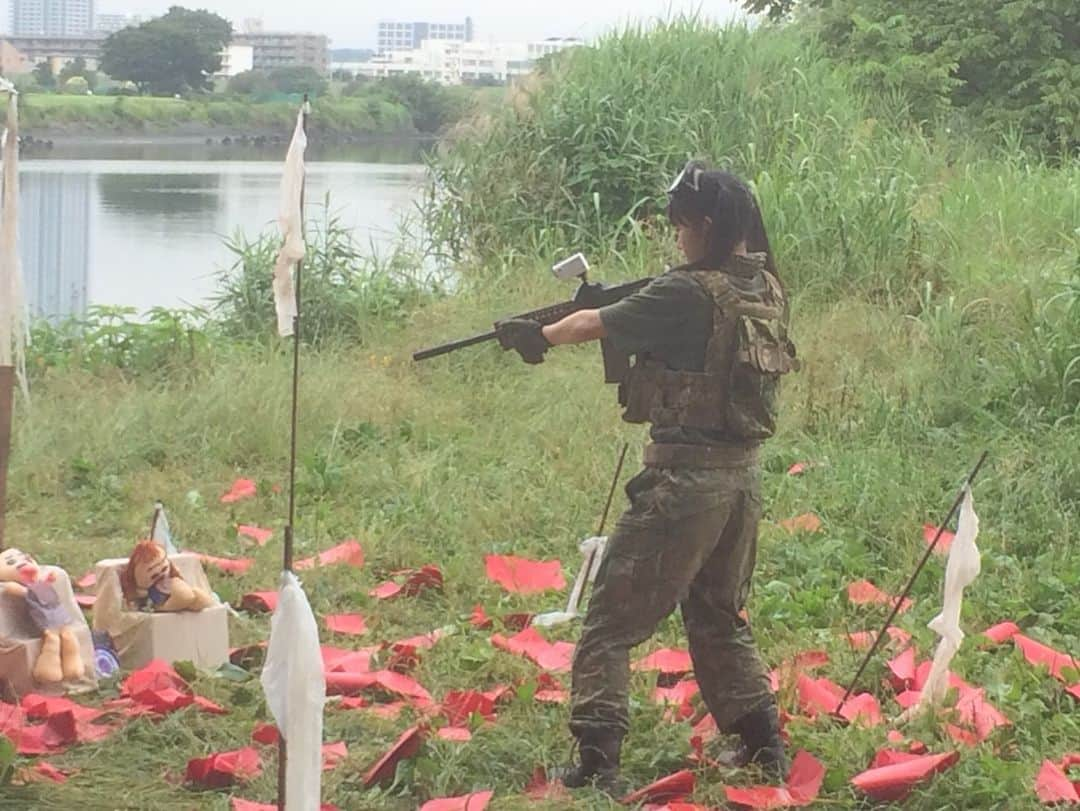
x=637, y=394
x=762, y=355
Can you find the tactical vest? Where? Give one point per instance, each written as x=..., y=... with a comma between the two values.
x=747, y=353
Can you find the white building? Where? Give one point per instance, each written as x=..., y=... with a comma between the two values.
x=236, y=59
x=450, y=62
x=111, y=23
x=405, y=36
x=51, y=18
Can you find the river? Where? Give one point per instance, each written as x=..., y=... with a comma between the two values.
x=143, y=225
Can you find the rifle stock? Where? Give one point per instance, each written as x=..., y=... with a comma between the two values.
x=590, y=295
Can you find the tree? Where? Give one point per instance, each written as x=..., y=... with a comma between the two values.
x=250, y=83
x=430, y=104
x=77, y=69
x=298, y=79
x=1010, y=64
x=171, y=54
x=43, y=75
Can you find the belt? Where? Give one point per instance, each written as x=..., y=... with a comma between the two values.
x=699, y=456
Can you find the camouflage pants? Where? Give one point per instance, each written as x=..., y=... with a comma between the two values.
x=689, y=538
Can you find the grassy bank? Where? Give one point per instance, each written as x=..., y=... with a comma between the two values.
x=44, y=113
x=936, y=308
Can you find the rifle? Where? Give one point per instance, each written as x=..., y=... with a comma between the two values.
x=589, y=296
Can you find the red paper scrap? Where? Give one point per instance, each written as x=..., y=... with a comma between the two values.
x=257, y=534
x=679, y=695
x=247, y=805
x=459, y=705
x=798, y=469
x=673, y=787
x=499, y=692
x=895, y=782
x=50, y=772
x=86, y=601
x=348, y=552
x=164, y=700
x=40, y=708
x=259, y=602
x=860, y=640
x=930, y=532
x=154, y=675
x=518, y=621
x=477, y=801
x=415, y=582
x=1040, y=655
x=538, y=788
x=667, y=660
x=524, y=576
x=550, y=690
x=266, y=734
x=977, y=713
x=821, y=696
x=1074, y=691
x=389, y=712
x=455, y=734
x=388, y=680
x=1052, y=785
x=420, y=642
x=479, y=618
x=224, y=769
x=87, y=581
x=903, y=670
x=890, y=757
x=209, y=707
x=554, y=656
x=241, y=489
x=807, y=522
x=802, y=787
x=333, y=754
x=404, y=748
x=863, y=592
x=353, y=624
x=1002, y=632
x=237, y=566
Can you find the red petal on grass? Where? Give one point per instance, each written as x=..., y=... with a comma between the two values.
x=87, y=581
x=455, y=734
x=50, y=772
x=224, y=769
x=386, y=591
x=550, y=690
x=247, y=805
x=257, y=534
x=798, y=469
x=499, y=692
x=1040, y=655
x=929, y=532
x=348, y=552
x=1052, y=785
x=154, y=675
x=863, y=592
x=12, y=719
x=357, y=661
x=673, y=787
x=524, y=576
x=860, y=640
x=333, y=754
x=389, y=712
x=980, y=715
x=266, y=734
x=209, y=707
x=517, y=622
x=459, y=705
x=897, y=737
x=86, y=601
x=416, y=581
x=39, y=708
x=420, y=642
x=477, y=801
x=898, y=635
x=666, y=660
x=478, y=618
x=554, y=656
x=962, y=736
x=237, y=566
x=890, y=757
x=1002, y=632
x=387, y=680
x=404, y=748
x=1074, y=691
x=679, y=695
x=822, y=697
x=807, y=522
x=259, y=602
x=165, y=700
x=802, y=787
x=676, y=807
x=863, y=708
x=903, y=670
x=538, y=787
x=895, y=782
x=241, y=489
x=353, y=624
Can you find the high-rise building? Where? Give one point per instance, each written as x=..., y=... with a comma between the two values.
x=52, y=18
x=111, y=23
x=403, y=36
x=278, y=49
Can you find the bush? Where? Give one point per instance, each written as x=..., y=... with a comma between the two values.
x=250, y=83
x=76, y=85
x=297, y=80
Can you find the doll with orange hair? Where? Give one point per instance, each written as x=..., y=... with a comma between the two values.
x=151, y=582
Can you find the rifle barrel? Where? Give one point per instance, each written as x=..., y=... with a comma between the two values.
x=453, y=346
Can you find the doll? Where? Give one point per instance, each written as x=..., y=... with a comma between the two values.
x=60, y=659
x=150, y=582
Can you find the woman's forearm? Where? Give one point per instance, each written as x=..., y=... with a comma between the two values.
x=576, y=328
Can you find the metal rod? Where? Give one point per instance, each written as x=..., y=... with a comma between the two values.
x=611, y=492
x=7, y=406
x=287, y=562
x=911, y=582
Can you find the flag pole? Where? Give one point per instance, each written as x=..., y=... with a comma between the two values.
x=911, y=582
x=287, y=557
x=7, y=406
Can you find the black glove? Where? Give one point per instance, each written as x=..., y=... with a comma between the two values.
x=524, y=335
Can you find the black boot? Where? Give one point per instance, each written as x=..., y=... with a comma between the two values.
x=598, y=766
x=761, y=741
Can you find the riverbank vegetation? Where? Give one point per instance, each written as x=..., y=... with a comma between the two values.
x=935, y=277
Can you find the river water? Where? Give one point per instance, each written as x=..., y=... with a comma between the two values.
x=142, y=224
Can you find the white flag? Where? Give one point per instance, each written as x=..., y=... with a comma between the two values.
x=295, y=689
x=960, y=571
x=291, y=223
x=12, y=304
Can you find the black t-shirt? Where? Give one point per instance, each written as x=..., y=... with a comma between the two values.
x=671, y=319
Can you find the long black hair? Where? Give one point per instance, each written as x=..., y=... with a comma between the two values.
x=728, y=202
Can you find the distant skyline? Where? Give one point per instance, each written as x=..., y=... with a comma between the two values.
x=355, y=28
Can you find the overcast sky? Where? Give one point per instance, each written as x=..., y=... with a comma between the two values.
x=353, y=24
